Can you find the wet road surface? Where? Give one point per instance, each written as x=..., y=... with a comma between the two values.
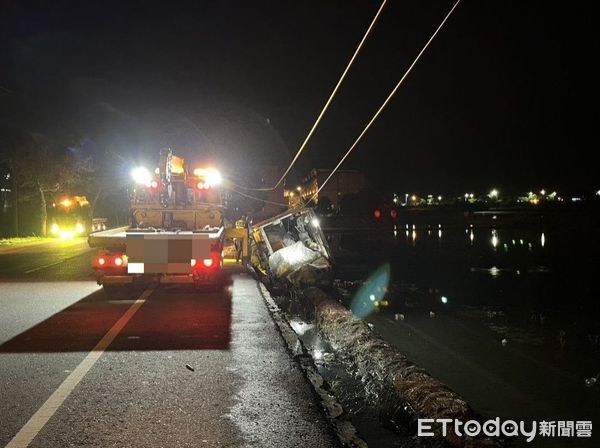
x=187, y=368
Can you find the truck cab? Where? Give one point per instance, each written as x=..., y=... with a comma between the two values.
x=69, y=216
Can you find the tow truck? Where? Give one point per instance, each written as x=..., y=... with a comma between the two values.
x=176, y=233
x=69, y=216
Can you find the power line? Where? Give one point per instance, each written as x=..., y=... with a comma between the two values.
x=384, y=104
x=259, y=199
x=325, y=107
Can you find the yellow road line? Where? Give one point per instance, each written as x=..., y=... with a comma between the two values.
x=28, y=432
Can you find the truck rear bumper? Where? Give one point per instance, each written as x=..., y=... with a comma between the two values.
x=169, y=279
x=176, y=279
x=115, y=279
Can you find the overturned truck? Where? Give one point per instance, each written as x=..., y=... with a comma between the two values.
x=291, y=248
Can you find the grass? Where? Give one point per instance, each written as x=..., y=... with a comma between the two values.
x=20, y=240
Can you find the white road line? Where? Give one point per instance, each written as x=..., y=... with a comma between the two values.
x=28, y=432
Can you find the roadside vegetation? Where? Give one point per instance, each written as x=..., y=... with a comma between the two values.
x=21, y=240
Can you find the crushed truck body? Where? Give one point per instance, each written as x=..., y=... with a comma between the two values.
x=291, y=248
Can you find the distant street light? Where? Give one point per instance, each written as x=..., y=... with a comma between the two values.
x=494, y=193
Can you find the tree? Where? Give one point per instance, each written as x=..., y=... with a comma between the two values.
x=38, y=167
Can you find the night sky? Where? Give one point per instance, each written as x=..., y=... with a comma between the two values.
x=505, y=96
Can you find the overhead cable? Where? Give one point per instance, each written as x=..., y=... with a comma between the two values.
x=325, y=107
x=384, y=104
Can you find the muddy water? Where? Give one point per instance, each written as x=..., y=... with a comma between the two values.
x=509, y=317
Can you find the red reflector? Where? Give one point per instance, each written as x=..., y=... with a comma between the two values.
x=377, y=214
x=193, y=262
x=208, y=262
x=101, y=261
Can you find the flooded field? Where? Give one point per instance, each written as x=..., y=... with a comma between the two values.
x=508, y=317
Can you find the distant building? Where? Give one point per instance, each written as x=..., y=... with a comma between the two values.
x=341, y=183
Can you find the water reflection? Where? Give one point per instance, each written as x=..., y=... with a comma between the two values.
x=495, y=240
x=411, y=234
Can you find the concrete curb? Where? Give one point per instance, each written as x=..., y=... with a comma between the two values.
x=343, y=427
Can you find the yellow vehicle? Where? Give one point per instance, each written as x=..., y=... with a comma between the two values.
x=176, y=233
x=69, y=216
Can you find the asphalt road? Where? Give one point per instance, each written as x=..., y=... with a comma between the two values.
x=175, y=367
x=51, y=259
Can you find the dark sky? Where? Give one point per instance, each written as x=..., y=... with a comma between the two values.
x=505, y=96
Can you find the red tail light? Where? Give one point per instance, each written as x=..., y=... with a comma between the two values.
x=207, y=263
x=110, y=261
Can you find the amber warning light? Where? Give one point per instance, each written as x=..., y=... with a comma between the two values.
x=207, y=178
